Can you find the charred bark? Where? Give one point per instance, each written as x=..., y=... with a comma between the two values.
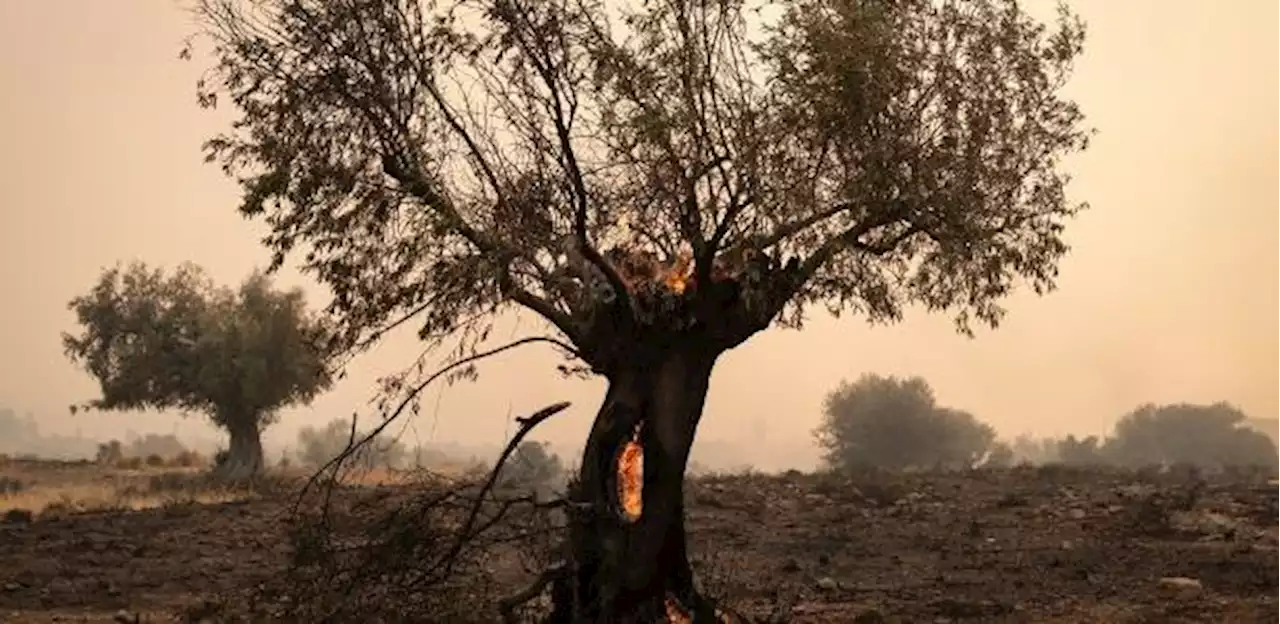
x=657, y=355
x=636, y=569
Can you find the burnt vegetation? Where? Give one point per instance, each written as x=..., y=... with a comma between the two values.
x=656, y=182
x=1174, y=543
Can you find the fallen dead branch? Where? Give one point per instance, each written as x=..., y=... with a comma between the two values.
x=432, y=551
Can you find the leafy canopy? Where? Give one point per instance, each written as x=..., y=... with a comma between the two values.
x=175, y=341
x=1207, y=435
x=451, y=158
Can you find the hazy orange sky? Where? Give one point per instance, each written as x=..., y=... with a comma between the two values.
x=1169, y=295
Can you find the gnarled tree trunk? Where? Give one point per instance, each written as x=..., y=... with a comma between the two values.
x=244, y=455
x=636, y=569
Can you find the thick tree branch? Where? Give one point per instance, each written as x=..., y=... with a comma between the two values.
x=412, y=183
x=545, y=309
x=791, y=228
x=851, y=238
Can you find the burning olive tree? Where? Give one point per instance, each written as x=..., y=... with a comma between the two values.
x=658, y=180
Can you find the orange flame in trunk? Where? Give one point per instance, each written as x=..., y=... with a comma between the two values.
x=630, y=473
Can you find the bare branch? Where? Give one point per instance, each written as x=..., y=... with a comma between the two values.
x=526, y=425
x=333, y=465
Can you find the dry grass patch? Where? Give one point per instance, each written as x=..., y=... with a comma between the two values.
x=86, y=497
x=43, y=487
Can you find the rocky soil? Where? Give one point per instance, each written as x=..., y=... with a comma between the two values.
x=1026, y=545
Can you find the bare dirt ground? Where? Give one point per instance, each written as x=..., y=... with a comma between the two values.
x=1043, y=544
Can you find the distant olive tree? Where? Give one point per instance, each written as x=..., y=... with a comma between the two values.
x=1032, y=450
x=1208, y=436
x=1086, y=451
x=999, y=455
x=887, y=422
x=174, y=341
x=109, y=453
x=1205, y=435
x=316, y=447
x=17, y=430
x=533, y=467
x=152, y=444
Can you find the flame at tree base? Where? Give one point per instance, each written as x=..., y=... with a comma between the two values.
x=676, y=613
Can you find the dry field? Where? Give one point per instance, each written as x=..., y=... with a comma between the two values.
x=1025, y=545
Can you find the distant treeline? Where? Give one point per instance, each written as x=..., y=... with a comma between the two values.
x=896, y=423
x=20, y=435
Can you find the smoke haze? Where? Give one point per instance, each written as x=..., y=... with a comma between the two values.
x=1170, y=293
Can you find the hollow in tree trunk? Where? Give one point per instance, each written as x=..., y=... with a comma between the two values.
x=624, y=567
x=244, y=455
